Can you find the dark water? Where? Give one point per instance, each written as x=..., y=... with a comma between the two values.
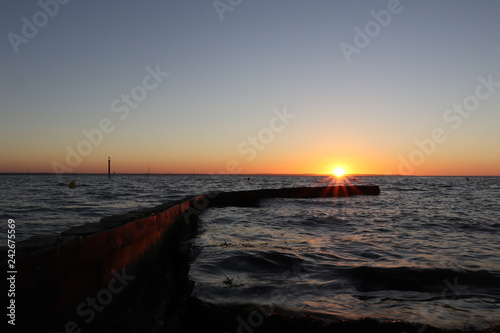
x=45, y=205
x=425, y=250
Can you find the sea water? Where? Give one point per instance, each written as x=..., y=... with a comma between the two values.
x=425, y=250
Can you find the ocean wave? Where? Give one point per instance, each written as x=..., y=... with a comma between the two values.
x=270, y=262
x=457, y=282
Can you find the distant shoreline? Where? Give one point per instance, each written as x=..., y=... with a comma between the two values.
x=241, y=174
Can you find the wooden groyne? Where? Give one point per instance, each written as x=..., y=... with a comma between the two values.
x=76, y=281
x=252, y=198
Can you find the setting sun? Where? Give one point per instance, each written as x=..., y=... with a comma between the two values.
x=338, y=172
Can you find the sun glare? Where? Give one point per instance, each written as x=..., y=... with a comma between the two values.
x=338, y=172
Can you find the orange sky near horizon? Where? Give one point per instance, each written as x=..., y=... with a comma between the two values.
x=304, y=163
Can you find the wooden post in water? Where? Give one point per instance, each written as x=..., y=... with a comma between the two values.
x=109, y=167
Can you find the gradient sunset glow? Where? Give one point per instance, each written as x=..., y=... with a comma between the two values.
x=379, y=87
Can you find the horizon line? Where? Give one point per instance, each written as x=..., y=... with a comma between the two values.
x=239, y=174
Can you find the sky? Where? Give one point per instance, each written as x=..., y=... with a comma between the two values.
x=240, y=87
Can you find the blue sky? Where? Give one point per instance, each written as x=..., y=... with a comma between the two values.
x=227, y=76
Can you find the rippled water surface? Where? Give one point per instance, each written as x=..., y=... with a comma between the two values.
x=45, y=205
x=425, y=250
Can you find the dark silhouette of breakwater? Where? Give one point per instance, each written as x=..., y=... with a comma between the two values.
x=253, y=197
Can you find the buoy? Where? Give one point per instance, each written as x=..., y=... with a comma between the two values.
x=72, y=184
